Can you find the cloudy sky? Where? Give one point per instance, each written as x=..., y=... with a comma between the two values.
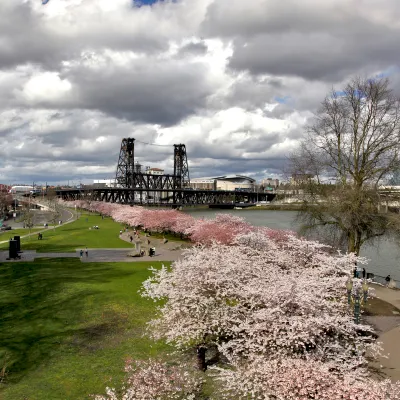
x=234, y=80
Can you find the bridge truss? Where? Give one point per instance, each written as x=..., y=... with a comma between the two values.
x=166, y=197
x=137, y=187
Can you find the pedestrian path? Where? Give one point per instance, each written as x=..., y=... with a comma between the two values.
x=98, y=255
x=389, y=333
x=68, y=215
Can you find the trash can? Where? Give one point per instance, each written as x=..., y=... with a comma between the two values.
x=12, y=250
x=18, y=240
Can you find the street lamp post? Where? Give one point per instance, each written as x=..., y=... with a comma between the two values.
x=357, y=296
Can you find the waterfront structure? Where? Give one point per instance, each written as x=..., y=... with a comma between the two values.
x=20, y=189
x=134, y=186
x=225, y=182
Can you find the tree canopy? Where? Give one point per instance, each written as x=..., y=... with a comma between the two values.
x=353, y=141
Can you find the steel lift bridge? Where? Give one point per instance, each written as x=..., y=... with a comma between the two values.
x=137, y=187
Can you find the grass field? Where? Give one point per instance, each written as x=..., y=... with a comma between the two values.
x=66, y=327
x=77, y=234
x=7, y=235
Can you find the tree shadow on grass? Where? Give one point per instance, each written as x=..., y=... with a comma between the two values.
x=41, y=308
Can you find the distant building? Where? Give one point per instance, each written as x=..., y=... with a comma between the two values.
x=4, y=188
x=270, y=182
x=301, y=179
x=203, y=184
x=104, y=183
x=20, y=189
x=225, y=182
x=154, y=171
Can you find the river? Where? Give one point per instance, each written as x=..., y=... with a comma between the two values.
x=384, y=255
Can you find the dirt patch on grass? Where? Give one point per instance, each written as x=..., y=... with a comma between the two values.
x=97, y=336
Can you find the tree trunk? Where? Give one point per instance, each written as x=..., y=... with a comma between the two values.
x=358, y=243
x=354, y=241
x=201, y=358
x=351, y=242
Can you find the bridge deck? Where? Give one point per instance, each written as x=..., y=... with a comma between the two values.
x=166, y=197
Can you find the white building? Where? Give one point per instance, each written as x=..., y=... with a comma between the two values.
x=225, y=182
x=104, y=183
x=270, y=182
x=154, y=171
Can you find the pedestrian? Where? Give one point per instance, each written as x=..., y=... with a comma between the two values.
x=131, y=238
x=148, y=241
x=38, y=236
x=355, y=273
x=364, y=273
x=81, y=253
x=387, y=279
x=120, y=232
x=86, y=252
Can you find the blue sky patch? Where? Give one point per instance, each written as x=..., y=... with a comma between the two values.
x=140, y=3
x=282, y=100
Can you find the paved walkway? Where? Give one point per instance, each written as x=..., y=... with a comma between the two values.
x=67, y=216
x=97, y=255
x=170, y=251
x=389, y=333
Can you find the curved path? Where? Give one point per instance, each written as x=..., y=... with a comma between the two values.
x=389, y=330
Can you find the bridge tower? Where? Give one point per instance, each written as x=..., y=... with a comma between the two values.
x=181, y=167
x=181, y=172
x=126, y=165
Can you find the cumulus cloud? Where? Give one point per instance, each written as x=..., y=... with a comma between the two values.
x=235, y=83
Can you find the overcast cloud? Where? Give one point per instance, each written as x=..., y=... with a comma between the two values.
x=235, y=81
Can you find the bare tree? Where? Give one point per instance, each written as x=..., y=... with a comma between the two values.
x=28, y=217
x=354, y=142
x=55, y=211
x=5, y=201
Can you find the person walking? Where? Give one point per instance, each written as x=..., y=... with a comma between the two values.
x=81, y=253
x=86, y=252
x=131, y=238
x=364, y=273
x=355, y=273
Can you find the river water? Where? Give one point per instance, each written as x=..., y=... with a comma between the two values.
x=383, y=256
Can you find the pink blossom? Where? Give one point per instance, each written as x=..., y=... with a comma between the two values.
x=223, y=229
x=153, y=379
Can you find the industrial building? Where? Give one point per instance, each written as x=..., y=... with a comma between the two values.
x=226, y=182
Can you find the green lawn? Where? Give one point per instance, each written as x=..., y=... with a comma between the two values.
x=66, y=327
x=75, y=235
x=7, y=235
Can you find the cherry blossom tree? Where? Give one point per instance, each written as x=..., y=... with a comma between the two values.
x=295, y=379
x=222, y=229
x=262, y=297
x=159, y=220
x=154, y=379
x=183, y=222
